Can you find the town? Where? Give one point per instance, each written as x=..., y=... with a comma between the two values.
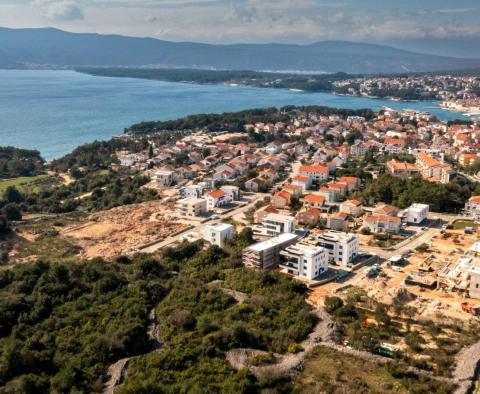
x=374, y=216
x=298, y=194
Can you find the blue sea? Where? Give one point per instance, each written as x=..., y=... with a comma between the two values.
x=55, y=111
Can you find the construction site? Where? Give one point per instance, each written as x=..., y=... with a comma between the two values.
x=439, y=275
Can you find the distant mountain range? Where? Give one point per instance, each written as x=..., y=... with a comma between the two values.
x=37, y=48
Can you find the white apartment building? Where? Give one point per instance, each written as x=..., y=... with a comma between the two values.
x=266, y=254
x=164, y=178
x=191, y=207
x=305, y=261
x=342, y=247
x=276, y=224
x=218, y=234
x=193, y=191
x=416, y=213
x=233, y=192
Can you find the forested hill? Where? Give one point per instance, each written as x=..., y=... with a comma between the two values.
x=23, y=48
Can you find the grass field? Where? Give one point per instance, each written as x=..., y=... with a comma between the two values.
x=31, y=184
x=329, y=371
x=461, y=224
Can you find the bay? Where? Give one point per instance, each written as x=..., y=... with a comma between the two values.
x=56, y=111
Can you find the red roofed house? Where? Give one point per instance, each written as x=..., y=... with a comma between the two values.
x=394, y=145
x=337, y=221
x=310, y=216
x=294, y=190
x=314, y=172
x=467, y=159
x=340, y=187
x=352, y=182
x=216, y=198
x=331, y=195
x=304, y=181
x=351, y=207
x=385, y=209
x=314, y=201
x=281, y=200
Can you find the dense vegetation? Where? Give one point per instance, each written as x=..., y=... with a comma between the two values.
x=61, y=325
x=93, y=191
x=200, y=323
x=235, y=121
x=449, y=197
x=310, y=82
x=16, y=162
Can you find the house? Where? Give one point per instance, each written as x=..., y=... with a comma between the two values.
x=337, y=221
x=394, y=145
x=218, y=234
x=342, y=247
x=233, y=192
x=262, y=212
x=266, y=254
x=378, y=223
x=472, y=207
x=401, y=169
x=304, y=261
x=353, y=183
x=309, y=216
x=217, y=198
x=331, y=195
x=191, y=207
x=316, y=173
x=467, y=159
x=164, y=178
x=273, y=148
x=294, y=190
x=351, y=207
x=314, y=201
x=192, y=191
x=276, y=224
x=281, y=200
x=385, y=209
x=256, y=185
x=340, y=187
x=416, y=213
x=304, y=181
x=433, y=169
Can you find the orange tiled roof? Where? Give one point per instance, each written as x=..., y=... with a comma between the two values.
x=314, y=169
x=314, y=198
x=217, y=194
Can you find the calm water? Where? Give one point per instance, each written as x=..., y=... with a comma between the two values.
x=55, y=111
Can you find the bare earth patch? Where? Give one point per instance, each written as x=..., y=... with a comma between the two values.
x=123, y=229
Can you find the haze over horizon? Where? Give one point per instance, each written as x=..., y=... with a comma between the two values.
x=428, y=26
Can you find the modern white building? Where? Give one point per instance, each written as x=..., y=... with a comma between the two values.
x=218, y=234
x=276, y=224
x=342, y=247
x=191, y=207
x=193, y=191
x=305, y=261
x=416, y=213
x=233, y=192
x=164, y=178
x=266, y=254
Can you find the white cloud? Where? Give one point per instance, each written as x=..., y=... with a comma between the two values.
x=59, y=11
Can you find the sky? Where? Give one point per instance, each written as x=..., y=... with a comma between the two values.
x=436, y=26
